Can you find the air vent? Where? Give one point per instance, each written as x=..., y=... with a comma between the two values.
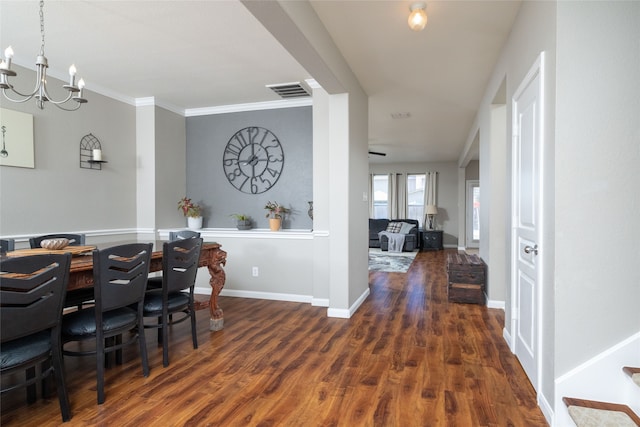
x=402, y=115
x=290, y=90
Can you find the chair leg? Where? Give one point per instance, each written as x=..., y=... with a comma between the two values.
x=143, y=346
x=118, y=341
x=165, y=342
x=30, y=374
x=108, y=342
x=194, y=335
x=161, y=325
x=45, y=378
x=58, y=371
x=100, y=361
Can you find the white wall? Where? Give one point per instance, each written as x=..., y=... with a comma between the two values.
x=532, y=33
x=597, y=178
x=597, y=284
x=171, y=166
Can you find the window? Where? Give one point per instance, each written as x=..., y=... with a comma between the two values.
x=473, y=214
x=415, y=196
x=381, y=196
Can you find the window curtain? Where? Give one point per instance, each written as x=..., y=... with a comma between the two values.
x=430, y=193
x=370, y=195
x=397, y=196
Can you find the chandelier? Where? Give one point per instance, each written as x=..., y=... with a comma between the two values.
x=40, y=92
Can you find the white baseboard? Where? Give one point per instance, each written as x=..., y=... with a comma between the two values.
x=347, y=313
x=320, y=302
x=507, y=337
x=266, y=295
x=495, y=304
x=601, y=378
x=316, y=302
x=546, y=408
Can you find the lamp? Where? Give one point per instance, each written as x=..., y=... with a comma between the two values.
x=40, y=92
x=432, y=211
x=418, y=16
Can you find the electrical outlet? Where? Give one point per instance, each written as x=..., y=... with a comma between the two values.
x=254, y=271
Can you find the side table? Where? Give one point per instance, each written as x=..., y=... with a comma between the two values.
x=432, y=240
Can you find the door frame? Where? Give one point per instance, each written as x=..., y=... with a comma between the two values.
x=536, y=70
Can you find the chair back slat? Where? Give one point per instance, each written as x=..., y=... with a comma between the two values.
x=180, y=263
x=32, y=291
x=183, y=234
x=121, y=275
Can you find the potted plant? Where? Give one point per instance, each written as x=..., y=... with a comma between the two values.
x=243, y=222
x=275, y=212
x=192, y=211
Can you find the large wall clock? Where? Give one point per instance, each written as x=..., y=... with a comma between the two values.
x=253, y=160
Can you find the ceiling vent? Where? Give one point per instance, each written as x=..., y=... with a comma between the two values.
x=290, y=90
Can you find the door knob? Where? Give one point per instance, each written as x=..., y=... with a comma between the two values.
x=529, y=249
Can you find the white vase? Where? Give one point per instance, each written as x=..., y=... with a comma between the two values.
x=194, y=223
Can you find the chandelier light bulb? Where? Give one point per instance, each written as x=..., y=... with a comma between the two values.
x=418, y=17
x=8, y=52
x=81, y=84
x=72, y=70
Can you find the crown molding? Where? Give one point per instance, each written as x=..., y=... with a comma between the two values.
x=252, y=106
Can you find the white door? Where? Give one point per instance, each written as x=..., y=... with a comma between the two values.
x=526, y=221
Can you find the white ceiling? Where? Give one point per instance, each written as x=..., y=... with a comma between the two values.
x=195, y=54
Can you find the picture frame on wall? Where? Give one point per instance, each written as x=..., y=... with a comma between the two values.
x=16, y=139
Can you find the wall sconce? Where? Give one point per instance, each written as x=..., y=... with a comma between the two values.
x=418, y=16
x=91, y=153
x=432, y=211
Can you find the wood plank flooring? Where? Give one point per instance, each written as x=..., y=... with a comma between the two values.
x=406, y=358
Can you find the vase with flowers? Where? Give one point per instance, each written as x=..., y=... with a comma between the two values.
x=275, y=213
x=192, y=211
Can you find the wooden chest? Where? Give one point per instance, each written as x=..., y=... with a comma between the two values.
x=466, y=278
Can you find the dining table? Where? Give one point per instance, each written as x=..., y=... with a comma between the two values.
x=81, y=270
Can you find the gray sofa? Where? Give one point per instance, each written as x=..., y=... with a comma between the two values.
x=411, y=239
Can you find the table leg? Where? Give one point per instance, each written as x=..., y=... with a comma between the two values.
x=218, y=277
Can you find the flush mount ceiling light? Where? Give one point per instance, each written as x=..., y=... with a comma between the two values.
x=418, y=16
x=40, y=92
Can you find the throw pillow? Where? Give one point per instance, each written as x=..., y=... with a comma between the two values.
x=394, y=227
x=406, y=228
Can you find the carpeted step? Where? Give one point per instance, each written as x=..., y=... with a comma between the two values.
x=634, y=373
x=590, y=413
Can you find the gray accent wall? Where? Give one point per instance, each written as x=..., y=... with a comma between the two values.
x=207, y=137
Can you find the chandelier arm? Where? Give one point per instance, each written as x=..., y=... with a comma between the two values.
x=19, y=101
x=49, y=99
x=29, y=96
x=68, y=109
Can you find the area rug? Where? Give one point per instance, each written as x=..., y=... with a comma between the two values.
x=390, y=262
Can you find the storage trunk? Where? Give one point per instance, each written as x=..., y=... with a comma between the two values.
x=466, y=278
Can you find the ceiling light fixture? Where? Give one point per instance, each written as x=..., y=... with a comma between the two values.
x=40, y=92
x=418, y=16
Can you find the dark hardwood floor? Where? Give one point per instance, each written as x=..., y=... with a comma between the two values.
x=406, y=358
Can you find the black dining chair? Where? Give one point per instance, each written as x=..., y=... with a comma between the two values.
x=74, y=239
x=32, y=290
x=156, y=282
x=7, y=245
x=183, y=234
x=76, y=297
x=179, y=268
x=120, y=279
